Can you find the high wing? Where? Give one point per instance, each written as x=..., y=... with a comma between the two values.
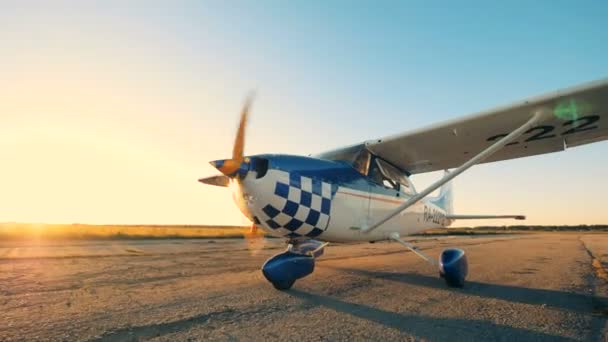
x=575, y=116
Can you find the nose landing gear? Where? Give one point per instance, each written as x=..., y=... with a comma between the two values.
x=298, y=261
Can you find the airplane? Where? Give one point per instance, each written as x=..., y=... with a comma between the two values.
x=363, y=193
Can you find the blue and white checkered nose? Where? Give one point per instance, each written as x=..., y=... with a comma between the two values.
x=293, y=205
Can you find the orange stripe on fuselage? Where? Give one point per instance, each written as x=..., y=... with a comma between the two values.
x=371, y=197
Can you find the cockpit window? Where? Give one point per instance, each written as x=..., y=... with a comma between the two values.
x=391, y=177
x=391, y=172
x=375, y=174
x=379, y=176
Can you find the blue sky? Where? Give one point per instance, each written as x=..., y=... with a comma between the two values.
x=119, y=105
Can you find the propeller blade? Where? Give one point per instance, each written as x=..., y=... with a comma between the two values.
x=256, y=241
x=239, y=141
x=229, y=166
x=219, y=180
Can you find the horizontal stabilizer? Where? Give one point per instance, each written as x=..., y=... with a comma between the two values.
x=483, y=217
x=219, y=180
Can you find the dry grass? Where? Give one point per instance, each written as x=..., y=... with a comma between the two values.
x=26, y=231
x=29, y=231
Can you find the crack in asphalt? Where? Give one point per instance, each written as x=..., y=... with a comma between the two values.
x=601, y=306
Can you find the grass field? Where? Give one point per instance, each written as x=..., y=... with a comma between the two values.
x=27, y=231
x=30, y=231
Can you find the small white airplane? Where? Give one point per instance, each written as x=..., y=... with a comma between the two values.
x=363, y=193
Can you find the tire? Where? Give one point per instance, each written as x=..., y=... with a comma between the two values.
x=454, y=281
x=283, y=285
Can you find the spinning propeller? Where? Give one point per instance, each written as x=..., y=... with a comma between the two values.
x=232, y=168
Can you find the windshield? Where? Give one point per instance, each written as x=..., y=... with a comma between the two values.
x=357, y=156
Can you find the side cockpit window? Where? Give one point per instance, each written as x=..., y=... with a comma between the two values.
x=391, y=177
x=375, y=174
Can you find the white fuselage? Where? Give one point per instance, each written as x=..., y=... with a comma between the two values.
x=282, y=209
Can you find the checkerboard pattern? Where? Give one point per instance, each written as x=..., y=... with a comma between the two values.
x=301, y=206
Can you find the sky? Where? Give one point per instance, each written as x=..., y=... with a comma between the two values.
x=110, y=110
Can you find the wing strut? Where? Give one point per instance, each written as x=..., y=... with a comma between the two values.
x=396, y=237
x=449, y=176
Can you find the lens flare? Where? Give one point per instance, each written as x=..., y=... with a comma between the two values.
x=571, y=109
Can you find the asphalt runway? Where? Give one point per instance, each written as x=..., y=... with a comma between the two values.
x=520, y=287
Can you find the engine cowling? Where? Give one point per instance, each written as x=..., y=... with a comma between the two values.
x=453, y=266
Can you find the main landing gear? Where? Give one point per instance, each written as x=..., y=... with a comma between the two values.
x=298, y=261
x=453, y=264
x=453, y=267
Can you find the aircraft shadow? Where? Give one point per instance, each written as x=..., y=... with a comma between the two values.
x=425, y=327
x=556, y=299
